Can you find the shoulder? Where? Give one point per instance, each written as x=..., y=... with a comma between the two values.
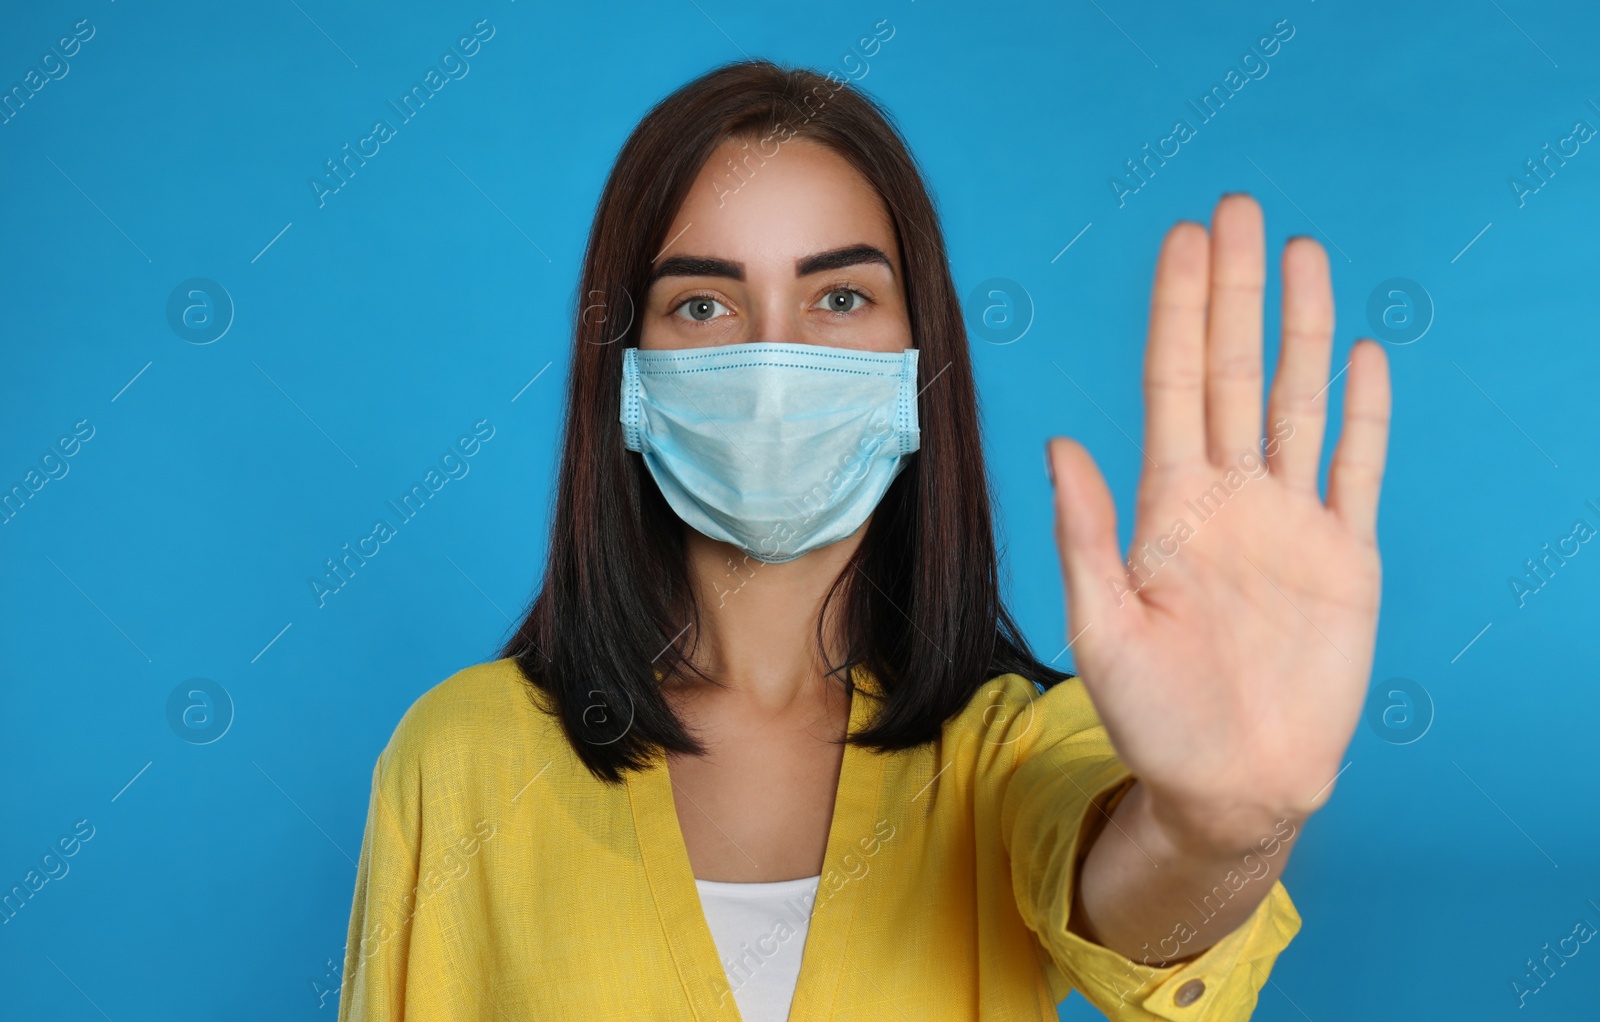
x=1009, y=709
x=474, y=705
x=467, y=724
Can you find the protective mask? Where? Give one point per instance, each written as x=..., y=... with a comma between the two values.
x=776, y=448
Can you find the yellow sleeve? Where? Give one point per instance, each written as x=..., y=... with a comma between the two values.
x=1064, y=769
x=379, y=937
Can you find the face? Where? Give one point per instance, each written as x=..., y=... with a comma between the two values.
x=802, y=252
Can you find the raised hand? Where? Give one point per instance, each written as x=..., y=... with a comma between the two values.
x=1229, y=656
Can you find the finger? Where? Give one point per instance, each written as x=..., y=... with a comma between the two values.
x=1297, y=413
x=1233, y=330
x=1357, y=472
x=1174, y=365
x=1086, y=536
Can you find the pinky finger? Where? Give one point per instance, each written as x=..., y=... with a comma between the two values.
x=1356, y=474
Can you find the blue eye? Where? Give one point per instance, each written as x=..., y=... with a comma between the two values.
x=842, y=299
x=700, y=308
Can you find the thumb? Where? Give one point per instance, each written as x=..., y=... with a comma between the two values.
x=1086, y=535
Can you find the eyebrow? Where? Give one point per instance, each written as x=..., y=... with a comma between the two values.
x=709, y=266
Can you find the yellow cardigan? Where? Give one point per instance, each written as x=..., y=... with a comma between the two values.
x=500, y=880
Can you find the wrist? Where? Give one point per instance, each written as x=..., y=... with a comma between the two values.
x=1214, y=832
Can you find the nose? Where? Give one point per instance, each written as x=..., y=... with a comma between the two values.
x=773, y=320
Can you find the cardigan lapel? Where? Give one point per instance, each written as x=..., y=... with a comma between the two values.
x=677, y=899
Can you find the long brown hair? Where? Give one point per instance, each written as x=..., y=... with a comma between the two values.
x=921, y=603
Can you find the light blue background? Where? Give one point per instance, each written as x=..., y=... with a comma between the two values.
x=425, y=295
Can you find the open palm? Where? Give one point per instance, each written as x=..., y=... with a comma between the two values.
x=1229, y=655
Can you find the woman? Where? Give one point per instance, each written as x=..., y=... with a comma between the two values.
x=767, y=744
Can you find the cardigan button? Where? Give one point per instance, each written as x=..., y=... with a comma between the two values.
x=1189, y=993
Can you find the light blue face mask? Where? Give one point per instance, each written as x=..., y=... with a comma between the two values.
x=776, y=448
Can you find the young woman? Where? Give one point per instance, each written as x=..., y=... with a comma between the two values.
x=768, y=745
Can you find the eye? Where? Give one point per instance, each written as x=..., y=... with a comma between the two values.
x=700, y=308
x=843, y=299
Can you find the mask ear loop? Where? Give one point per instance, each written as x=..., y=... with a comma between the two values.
x=908, y=428
x=631, y=401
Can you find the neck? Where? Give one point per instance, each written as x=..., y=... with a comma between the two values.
x=758, y=621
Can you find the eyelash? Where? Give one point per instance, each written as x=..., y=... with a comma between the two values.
x=853, y=289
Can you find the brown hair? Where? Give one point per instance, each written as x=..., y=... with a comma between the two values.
x=921, y=603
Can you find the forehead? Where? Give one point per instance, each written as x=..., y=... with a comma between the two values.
x=757, y=205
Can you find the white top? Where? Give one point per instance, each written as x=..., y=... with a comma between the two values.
x=760, y=933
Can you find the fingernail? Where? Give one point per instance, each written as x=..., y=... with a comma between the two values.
x=1049, y=466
